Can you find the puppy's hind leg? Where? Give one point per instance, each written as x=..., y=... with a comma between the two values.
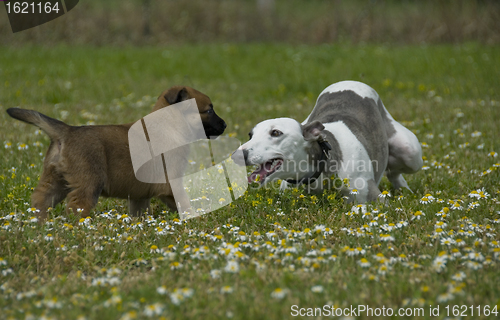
x=82, y=200
x=84, y=194
x=50, y=191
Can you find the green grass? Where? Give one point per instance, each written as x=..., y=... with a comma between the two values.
x=108, y=269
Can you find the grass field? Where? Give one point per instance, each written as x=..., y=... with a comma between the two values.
x=266, y=252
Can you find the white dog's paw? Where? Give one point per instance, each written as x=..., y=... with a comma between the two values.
x=283, y=186
x=360, y=208
x=399, y=182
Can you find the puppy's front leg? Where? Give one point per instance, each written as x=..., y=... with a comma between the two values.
x=182, y=202
x=185, y=206
x=139, y=206
x=169, y=201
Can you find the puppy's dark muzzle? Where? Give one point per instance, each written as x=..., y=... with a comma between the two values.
x=213, y=131
x=223, y=126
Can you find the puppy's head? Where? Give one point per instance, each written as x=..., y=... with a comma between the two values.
x=212, y=124
x=280, y=149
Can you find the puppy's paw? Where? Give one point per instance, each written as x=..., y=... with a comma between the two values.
x=191, y=213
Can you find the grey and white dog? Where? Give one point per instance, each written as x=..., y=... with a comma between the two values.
x=349, y=134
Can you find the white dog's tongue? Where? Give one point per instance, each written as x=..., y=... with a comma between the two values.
x=261, y=171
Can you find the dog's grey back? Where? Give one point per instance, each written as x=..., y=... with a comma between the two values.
x=359, y=107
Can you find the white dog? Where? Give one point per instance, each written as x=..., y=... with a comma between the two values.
x=349, y=134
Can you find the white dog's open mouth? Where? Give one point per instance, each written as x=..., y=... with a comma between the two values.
x=264, y=170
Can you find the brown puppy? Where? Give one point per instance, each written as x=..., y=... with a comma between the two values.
x=86, y=162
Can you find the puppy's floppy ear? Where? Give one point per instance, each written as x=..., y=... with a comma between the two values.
x=312, y=131
x=176, y=94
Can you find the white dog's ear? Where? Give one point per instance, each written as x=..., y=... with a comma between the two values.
x=312, y=130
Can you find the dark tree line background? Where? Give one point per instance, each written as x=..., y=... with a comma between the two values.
x=161, y=22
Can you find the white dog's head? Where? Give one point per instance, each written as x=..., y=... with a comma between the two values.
x=279, y=147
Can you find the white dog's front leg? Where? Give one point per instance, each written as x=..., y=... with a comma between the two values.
x=361, y=190
x=360, y=208
x=315, y=187
x=283, y=186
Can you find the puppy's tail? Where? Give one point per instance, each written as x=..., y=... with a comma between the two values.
x=54, y=128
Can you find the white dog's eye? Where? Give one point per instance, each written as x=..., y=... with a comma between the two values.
x=276, y=133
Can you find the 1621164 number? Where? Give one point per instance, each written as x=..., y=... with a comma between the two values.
x=470, y=311
x=32, y=7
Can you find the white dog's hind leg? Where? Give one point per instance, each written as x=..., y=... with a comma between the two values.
x=405, y=155
x=397, y=180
